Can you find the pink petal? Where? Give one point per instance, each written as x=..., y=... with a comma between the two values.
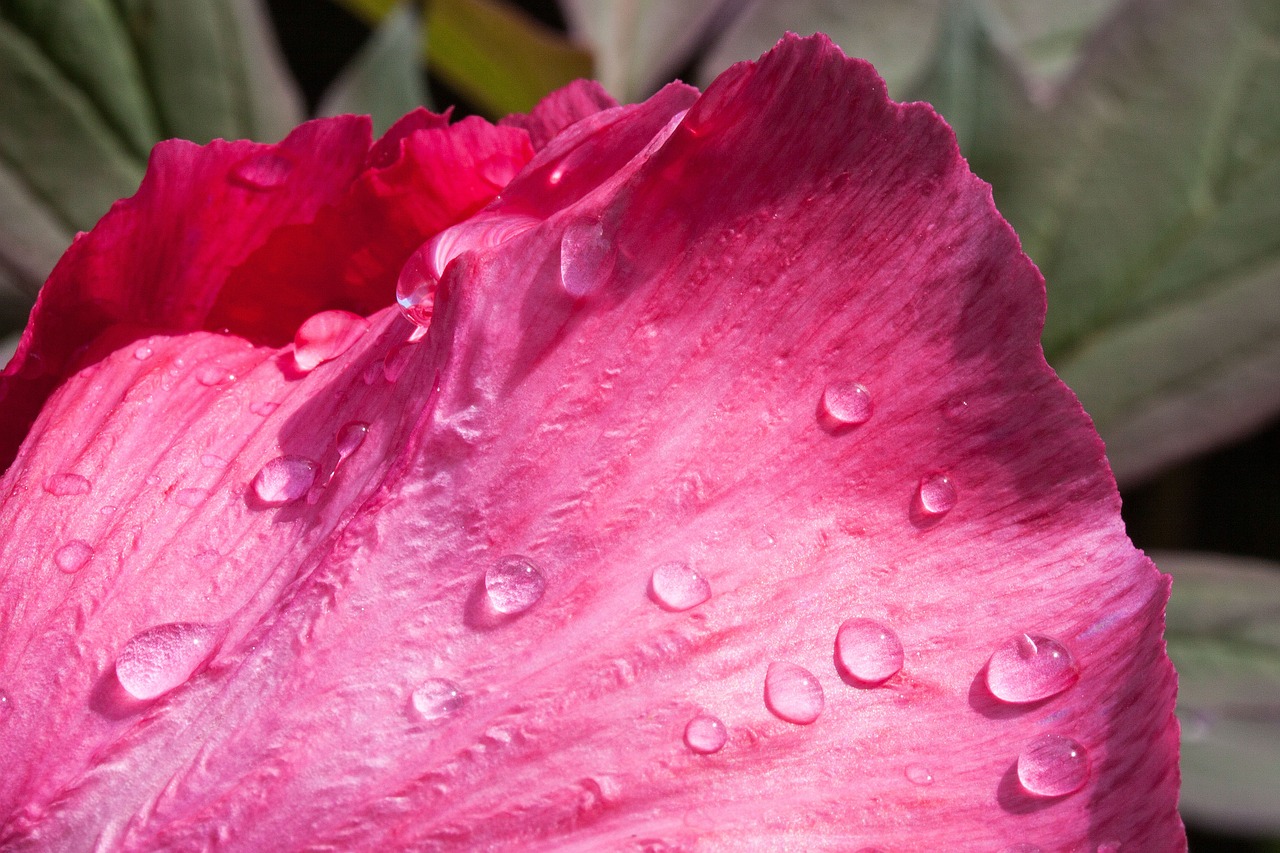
x=794, y=230
x=563, y=107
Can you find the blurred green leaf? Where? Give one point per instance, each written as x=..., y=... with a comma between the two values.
x=1150, y=198
x=385, y=79
x=1223, y=631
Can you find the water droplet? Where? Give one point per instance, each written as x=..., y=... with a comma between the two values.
x=586, y=258
x=937, y=494
x=6, y=706
x=62, y=485
x=163, y=657
x=436, y=699
x=372, y=371
x=72, y=556
x=868, y=650
x=918, y=774
x=677, y=587
x=210, y=460
x=142, y=353
x=1030, y=667
x=212, y=375
x=792, y=693
x=1053, y=766
x=514, y=585
x=847, y=405
x=396, y=361
x=705, y=734
x=349, y=439
x=264, y=171
x=1109, y=847
x=107, y=509
x=190, y=497
x=263, y=407
x=325, y=336
x=284, y=480
x=956, y=408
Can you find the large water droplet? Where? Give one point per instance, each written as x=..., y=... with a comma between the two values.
x=325, y=336
x=586, y=257
x=846, y=404
x=73, y=556
x=265, y=171
x=513, y=585
x=437, y=698
x=677, y=587
x=349, y=439
x=284, y=479
x=1030, y=667
x=62, y=485
x=918, y=774
x=937, y=495
x=142, y=353
x=163, y=657
x=868, y=650
x=1053, y=766
x=792, y=693
x=705, y=734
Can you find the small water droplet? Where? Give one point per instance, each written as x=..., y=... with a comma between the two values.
x=705, y=734
x=265, y=171
x=918, y=774
x=263, y=408
x=210, y=460
x=212, y=375
x=937, y=495
x=190, y=497
x=1109, y=847
x=163, y=657
x=107, y=509
x=349, y=439
x=678, y=587
x=142, y=353
x=586, y=258
x=1030, y=667
x=6, y=706
x=396, y=361
x=325, y=336
x=514, y=585
x=847, y=404
x=1022, y=847
x=792, y=693
x=62, y=485
x=372, y=371
x=956, y=408
x=284, y=479
x=437, y=698
x=1053, y=766
x=868, y=650
x=73, y=556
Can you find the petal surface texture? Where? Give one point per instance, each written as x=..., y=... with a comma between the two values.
x=422, y=573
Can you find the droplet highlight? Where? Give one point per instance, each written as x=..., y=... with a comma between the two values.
x=64, y=485
x=73, y=556
x=513, y=585
x=325, y=336
x=705, y=734
x=1053, y=766
x=846, y=405
x=792, y=693
x=868, y=651
x=163, y=657
x=586, y=258
x=435, y=699
x=676, y=586
x=1030, y=667
x=265, y=171
x=918, y=774
x=284, y=480
x=937, y=495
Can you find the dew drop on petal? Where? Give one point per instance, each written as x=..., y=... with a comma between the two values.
x=163, y=657
x=284, y=479
x=847, y=404
x=73, y=556
x=190, y=497
x=262, y=408
x=918, y=774
x=325, y=336
x=705, y=734
x=676, y=586
x=1030, y=667
x=1109, y=847
x=416, y=287
x=868, y=650
x=513, y=585
x=586, y=258
x=937, y=495
x=349, y=439
x=792, y=693
x=212, y=460
x=265, y=171
x=213, y=375
x=142, y=353
x=1053, y=766
x=6, y=706
x=62, y=485
x=435, y=699
x=396, y=361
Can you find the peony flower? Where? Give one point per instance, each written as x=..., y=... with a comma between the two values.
x=708, y=490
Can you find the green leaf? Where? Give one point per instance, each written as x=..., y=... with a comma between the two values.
x=1150, y=198
x=385, y=79
x=1223, y=632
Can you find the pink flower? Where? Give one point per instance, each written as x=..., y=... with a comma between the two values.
x=726, y=503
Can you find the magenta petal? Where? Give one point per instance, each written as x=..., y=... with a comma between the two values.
x=393, y=676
